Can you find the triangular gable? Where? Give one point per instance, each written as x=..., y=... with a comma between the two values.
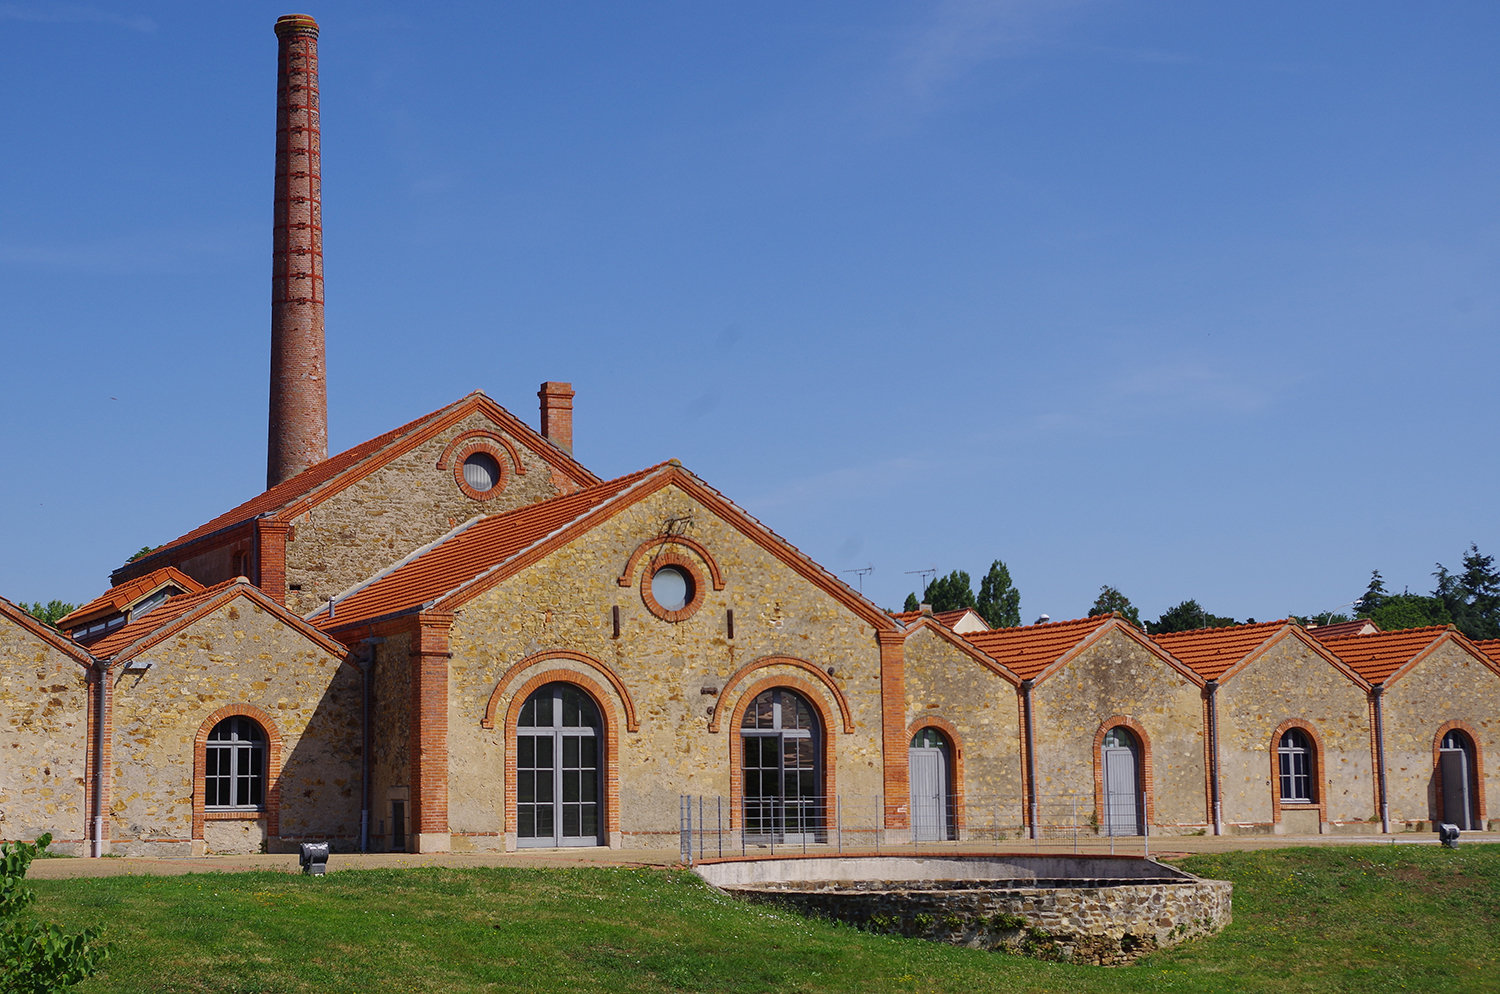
x=1379, y=656
x=1306, y=638
x=1027, y=650
x=125, y=595
x=317, y=483
x=546, y=530
x=181, y=612
x=58, y=641
x=945, y=633
x=1116, y=624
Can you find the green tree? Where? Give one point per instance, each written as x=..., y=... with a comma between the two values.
x=1111, y=601
x=951, y=593
x=1393, y=612
x=49, y=613
x=1472, y=596
x=146, y=550
x=38, y=957
x=912, y=604
x=1184, y=618
x=999, y=602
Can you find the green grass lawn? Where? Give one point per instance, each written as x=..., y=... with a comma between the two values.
x=1366, y=918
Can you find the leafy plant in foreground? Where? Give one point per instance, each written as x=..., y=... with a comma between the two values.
x=38, y=957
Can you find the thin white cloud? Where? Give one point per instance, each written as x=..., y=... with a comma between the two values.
x=962, y=34
x=67, y=13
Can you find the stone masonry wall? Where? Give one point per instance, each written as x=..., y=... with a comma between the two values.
x=398, y=508
x=44, y=706
x=1449, y=685
x=239, y=654
x=1118, y=676
x=564, y=603
x=948, y=687
x=390, y=741
x=1291, y=681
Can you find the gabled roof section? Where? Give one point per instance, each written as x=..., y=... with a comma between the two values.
x=1344, y=629
x=124, y=595
x=1491, y=648
x=1035, y=652
x=490, y=549
x=1220, y=653
x=319, y=482
x=962, y=644
x=1387, y=656
x=23, y=619
x=181, y=611
x=952, y=619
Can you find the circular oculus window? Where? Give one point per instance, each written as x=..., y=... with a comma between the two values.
x=672, y=588
x=480, y=475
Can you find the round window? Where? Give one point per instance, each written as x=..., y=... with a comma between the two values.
x=481, y=472
x=672, y=588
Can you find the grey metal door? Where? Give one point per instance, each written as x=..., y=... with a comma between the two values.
x=558, y=769
x=1457, y=805
x=929, y=794
x=1121, y=784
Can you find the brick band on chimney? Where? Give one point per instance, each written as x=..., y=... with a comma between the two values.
x=298, y=436
x=557, y=414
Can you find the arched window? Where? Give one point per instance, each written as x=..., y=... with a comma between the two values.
x=235, y=766
x=1119, y=763
x=779, y=762
x=559, y=777
x=932, y=812
x=1295, y=754
x=1457, y=769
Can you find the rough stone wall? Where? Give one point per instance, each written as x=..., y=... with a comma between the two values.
x=390, y=739
x=44, y=702
x=398, y=508
x=239, y=654
x=1291, y=681
x=1449, y=685
x=1118, y=676
x=1105, y=926
x=946, y=684
x=565, y=602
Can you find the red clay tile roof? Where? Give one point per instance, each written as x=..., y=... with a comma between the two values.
x=1376, y=657
x=310, y=479
x=1211, y=651
x=1490, y=647
x=1343, y=629
x=469, y=551
x=1028, y=650
x=948, y=618
x=118, y=597
x=174, y=608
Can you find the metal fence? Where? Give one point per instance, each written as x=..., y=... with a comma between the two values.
x=713, y=827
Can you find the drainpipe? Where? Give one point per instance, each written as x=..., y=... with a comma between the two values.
x=365, y=666
x=101, y=667
x=1031, y=801
x=1385, y=803
x=1213, y=756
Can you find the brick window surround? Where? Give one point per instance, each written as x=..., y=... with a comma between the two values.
x=955, y=753
x=493, y=451
x=715, y=723
x=272, y=810
x=1146, y=773
x=632, y=723
x=814, y=696
x=627, y=575
x=610, y=731
x=482, y=435
x=700, y=591
x=1477, y=774
x=1320, y=784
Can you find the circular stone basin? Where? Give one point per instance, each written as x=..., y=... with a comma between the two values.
x=1093, y=909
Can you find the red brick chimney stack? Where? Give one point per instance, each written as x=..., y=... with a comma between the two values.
x=298, y=435
x=557, y=414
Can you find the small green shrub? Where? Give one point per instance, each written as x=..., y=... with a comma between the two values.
x=38, y=957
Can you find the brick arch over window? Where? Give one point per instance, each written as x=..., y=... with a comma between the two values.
x=1437, y=766
x=481, y=434
x=627, y=575
x=611, y=750
x=632, y=723
x=273, y=770
x=956, y=745
x=1320, y=783
x=832, y=688
x=1148, y=777
x=813, y=695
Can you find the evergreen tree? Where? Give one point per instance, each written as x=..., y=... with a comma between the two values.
x=912, y=604
x=999, y=601
x=1374, y=597
x=951, y=593
x=1111, y=601
x=49, y=613
x=1184, y=618
x=1472, y=597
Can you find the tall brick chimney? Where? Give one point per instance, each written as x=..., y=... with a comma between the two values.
x=298, y=436
x=557, y=414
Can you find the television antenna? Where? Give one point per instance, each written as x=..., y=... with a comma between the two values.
x=861, y=573
x=924, y=574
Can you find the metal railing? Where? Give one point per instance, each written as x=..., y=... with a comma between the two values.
x=713, y=827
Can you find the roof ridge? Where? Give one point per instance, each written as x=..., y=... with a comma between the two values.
x=410, y=556
x=1398, y=632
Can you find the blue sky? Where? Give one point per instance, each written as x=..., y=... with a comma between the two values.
x=1198, y=300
